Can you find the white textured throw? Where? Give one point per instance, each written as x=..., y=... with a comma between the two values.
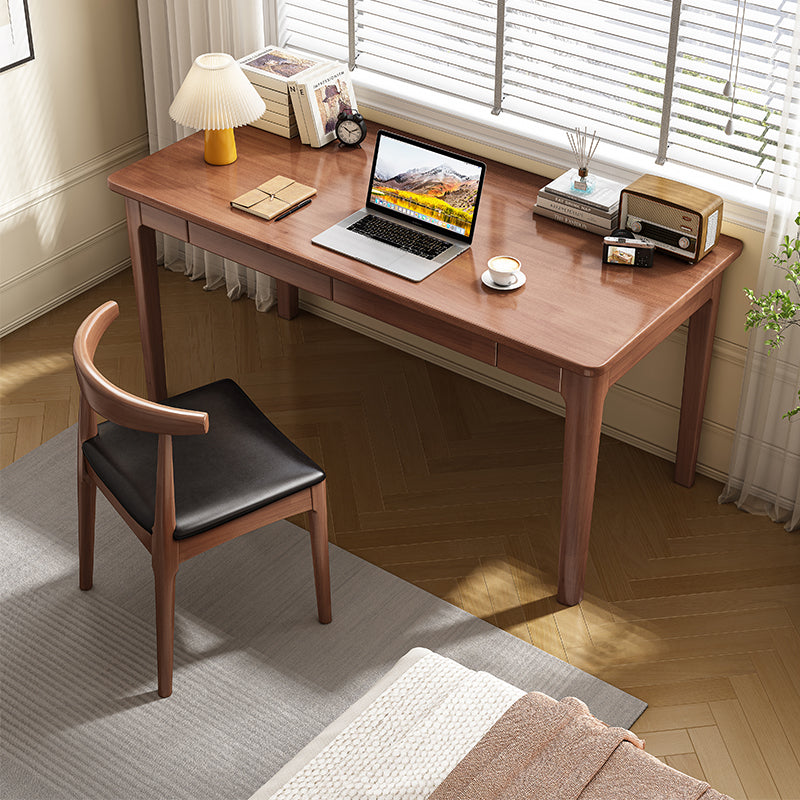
x=406, y=742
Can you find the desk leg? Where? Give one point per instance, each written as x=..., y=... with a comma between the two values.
x=584, y=398
x=148, y=300
x=699, y=347
x=288, y=301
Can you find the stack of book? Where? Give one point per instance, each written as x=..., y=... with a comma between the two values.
x=303, y=94
x=270, y=70
x=596, y=212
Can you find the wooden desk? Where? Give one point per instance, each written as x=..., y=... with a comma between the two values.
x=576, y=327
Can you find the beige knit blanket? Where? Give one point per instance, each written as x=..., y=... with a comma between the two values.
x=543, y=749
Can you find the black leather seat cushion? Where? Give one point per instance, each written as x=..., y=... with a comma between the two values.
x=243, y=463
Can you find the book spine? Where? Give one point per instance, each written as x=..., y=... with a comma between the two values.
x=264, y=80
x=575, y=223
x=277, y=100
x=306, y=95
x=302, y=124
x=584, y=202
x=599, y=211
x=271, y=115
x=601, y=220
x=287, y=131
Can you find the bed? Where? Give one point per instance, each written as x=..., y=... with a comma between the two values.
x=432, y=728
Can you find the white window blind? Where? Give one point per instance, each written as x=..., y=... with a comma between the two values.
x=648, y=75
x=444, y=46
x=316, y=26
x=699, y=109
x=597, y=64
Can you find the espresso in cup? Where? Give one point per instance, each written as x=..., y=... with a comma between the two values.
x=504, y=270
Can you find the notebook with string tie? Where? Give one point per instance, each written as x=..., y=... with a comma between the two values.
x=274, y=197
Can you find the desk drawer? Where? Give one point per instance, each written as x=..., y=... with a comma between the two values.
x=164, y=222
x=529, y=367
x=417, y=322
x=277, y=267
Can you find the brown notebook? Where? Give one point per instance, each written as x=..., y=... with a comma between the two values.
x=274, y=197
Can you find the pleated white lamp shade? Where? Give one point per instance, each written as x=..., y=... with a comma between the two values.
x=216, y=95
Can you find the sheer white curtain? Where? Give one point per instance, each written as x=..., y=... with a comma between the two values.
x=765, y=464
x=173, y=33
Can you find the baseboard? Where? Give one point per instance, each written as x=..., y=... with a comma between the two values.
x=64, y=275
x=60, y=236
x=64, y=255
x=54, y=302
x=656, y=421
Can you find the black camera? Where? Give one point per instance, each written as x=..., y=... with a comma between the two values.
x=622, y=247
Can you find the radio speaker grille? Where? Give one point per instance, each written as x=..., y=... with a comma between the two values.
x=665, y=215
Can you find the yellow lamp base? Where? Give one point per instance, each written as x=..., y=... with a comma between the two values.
x=220, y=147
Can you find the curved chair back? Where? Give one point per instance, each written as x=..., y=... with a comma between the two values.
x=114, y=403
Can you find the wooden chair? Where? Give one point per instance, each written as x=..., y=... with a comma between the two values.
x=186, y=475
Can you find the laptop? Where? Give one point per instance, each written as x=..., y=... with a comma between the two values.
x=422, y=203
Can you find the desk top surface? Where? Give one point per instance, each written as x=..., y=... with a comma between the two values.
x=573, y=311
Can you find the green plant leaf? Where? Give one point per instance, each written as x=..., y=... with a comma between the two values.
x=776, y=311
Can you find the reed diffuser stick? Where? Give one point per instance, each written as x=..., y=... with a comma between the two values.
x=583, y=147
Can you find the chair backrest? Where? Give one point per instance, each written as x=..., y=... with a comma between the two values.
x=116, y=404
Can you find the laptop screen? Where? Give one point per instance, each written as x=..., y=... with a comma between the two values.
x=426, y=185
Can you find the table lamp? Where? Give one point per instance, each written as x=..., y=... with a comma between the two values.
x=216, y=97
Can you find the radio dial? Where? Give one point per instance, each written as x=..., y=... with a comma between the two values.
x=636, y=226
x=683, y=243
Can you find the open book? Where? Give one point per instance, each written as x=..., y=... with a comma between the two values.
x=273, y=197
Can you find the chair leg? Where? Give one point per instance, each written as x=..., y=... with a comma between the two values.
x=165, y=625
x=319, y=551
x=87, y=495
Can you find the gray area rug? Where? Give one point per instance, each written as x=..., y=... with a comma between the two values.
x=256, y=677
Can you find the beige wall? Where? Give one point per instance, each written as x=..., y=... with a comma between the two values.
x=643, y=407
x=67, y=119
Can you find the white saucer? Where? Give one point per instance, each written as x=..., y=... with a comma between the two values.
x=519, y=280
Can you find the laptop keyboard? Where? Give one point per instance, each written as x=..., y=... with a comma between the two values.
x=399, y=236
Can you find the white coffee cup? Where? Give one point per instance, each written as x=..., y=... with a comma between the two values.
x=504, y=270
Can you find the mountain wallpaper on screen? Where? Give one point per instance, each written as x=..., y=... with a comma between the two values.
x=439, y=192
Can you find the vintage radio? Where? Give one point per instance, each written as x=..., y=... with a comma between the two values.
x=676, y=218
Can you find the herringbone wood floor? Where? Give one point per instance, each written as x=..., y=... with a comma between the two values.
x=692, y=606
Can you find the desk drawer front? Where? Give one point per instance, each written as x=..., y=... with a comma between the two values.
x=260, y=260
x=166, y=223
x=529, y=367
x=424, y=325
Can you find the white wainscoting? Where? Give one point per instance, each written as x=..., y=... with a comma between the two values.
x=63, y=236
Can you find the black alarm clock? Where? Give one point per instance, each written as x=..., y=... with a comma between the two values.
x=350, y=129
